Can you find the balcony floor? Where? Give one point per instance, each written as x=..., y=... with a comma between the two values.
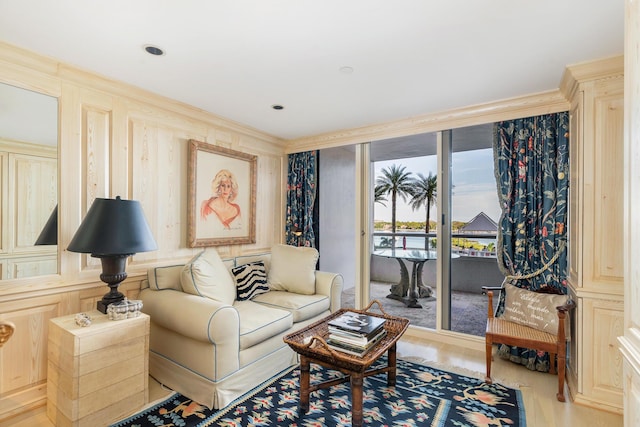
x=468, y=311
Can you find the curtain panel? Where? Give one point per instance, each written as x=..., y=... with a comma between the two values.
x=532, y=175
x=301, y=198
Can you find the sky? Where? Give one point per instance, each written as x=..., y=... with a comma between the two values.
x=474, y=187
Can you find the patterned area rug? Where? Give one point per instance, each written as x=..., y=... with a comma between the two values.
x=423, y=396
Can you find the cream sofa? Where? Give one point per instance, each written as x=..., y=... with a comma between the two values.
x=211, y=347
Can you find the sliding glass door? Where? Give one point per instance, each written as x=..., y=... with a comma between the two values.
x=403, y=262
x=411, y=222
x=474, y=215
x=434, y=226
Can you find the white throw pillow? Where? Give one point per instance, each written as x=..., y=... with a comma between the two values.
x=206, y=275
x=165, y=277
x=293, y=269
x=534, y=309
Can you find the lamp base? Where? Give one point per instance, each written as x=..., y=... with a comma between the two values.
x=103, y=304
x=113, y=272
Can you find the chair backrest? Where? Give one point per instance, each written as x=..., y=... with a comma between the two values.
x=6, y=330
x=544, y=309
x=545, y=289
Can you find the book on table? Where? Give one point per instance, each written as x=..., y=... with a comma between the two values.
x=363, y=338
x=360, y=342
x=357, y=324
x=353, y=349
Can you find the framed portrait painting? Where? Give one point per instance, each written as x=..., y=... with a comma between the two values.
x=222, y=196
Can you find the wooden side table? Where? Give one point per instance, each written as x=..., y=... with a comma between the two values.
x=97, y=374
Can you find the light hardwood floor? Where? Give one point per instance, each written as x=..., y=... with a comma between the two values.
x=538, y=390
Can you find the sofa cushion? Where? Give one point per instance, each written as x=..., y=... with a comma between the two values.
x=259, y=322
x=534, y=309
x=246, y=259
x=167, y=277
x=206, y=275
x=251, y=280
x=302, y=307
x=293, y=269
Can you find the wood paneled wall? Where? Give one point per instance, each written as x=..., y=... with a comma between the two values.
x=596, y=218
x=630, y=342
x=115, y=140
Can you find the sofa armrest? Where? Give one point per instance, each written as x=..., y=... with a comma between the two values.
x=196, y=317
x=330, y=284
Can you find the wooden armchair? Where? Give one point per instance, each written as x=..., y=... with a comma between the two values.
x=508, y=332
x=6, y=330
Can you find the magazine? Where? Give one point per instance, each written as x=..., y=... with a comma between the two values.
x=357, y=323
x=357, y=341
x=354, y=335
x=355, y=350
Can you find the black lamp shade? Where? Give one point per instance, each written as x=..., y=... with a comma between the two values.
x=113, y=227
x=49, y=234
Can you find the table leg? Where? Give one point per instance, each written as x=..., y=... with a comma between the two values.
x=399, y=291
x=424, y=291
x=412, y=297
x=356, y=399
x=392, y=364
x=304, y=385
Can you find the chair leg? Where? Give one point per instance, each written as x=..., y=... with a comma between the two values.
x=561, y=374
x=552, y=363
x=488, y=348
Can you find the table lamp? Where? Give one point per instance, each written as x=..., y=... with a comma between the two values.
x=113, y=230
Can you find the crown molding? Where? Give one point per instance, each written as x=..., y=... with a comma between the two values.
x=531, y=105
x=576, y=74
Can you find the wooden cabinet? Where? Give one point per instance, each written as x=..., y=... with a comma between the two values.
x=596, y=236
x=630, y=342
x=96, y=374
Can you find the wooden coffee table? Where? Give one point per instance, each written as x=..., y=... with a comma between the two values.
x=311, y=344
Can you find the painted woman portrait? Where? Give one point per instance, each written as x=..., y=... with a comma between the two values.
x=220, y=207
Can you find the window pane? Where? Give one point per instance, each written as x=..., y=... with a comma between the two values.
x=474, y=212
x=403, y=164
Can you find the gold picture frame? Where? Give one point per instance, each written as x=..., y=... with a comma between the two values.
x=221, y=196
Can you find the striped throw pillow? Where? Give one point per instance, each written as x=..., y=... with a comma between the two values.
x=251, y=280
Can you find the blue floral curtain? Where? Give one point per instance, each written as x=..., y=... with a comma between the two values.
x=532, y=167
x=301, y=199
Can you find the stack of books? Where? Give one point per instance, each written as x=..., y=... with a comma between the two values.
x=355, y=333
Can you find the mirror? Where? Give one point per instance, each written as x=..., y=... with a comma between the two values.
x=29, y=183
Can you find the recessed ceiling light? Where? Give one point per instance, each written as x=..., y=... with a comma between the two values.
x=154, y=50
x=346, y=70
x=277, y=107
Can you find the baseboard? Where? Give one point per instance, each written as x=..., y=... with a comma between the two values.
x=582, y=400
x=23, y=401
x=447, y=337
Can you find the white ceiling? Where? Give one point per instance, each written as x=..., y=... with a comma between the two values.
x=237, y=58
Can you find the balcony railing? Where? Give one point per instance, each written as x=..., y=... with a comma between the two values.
x=464, y=244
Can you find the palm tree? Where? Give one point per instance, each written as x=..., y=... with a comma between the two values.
x=386, y=242
x=395, y=181
x=424, y=193
x=378, y=195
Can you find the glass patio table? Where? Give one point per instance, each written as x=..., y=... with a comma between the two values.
x=410, y=288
